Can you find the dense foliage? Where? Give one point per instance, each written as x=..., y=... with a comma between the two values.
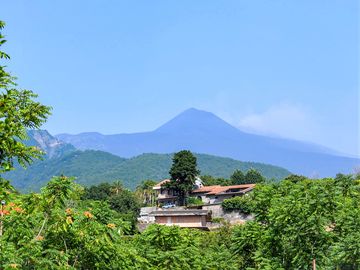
x=118, y=198
x=67, y=227
x=240, y=203
x=252, y=176
x=238, y=177
x=209, y=180
x=56, y=230
x=297, y=222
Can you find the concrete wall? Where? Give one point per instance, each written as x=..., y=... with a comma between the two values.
x=182, y=221
x=211, y=199
x=233, y=217
x=144, y=215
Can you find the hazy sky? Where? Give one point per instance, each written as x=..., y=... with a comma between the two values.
x=279, y=67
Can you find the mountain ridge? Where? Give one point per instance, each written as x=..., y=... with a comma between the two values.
x=92, y=167
x=204, y=132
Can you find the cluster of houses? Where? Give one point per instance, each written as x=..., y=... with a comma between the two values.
x=167, y=213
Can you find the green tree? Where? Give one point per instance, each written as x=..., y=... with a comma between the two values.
x=238, y=178
x=146, y=193
x=299, y=221
x=239, y=203
x=183, y=172
x=252, y=176
x=117, y=187
x=18, y=112
x=295, y=178
x=99, y=192
x=209, y=180
x=125, y=202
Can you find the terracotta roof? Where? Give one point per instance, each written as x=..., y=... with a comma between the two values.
x=158, y=185
x=213, y=190
x=205, y=189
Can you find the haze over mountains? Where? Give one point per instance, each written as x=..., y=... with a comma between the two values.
x=204, y=132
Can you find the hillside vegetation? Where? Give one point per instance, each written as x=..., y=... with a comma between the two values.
x=297, y=222
x=93, y=167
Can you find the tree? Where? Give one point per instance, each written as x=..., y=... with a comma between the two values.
x=252, y=176
x=146, y=192
x=127, y=205
x=18, y=112
x=117, y=187
x=209, y=180
x=295, y=178
x=183, y=172
x=238, y=178
x=125, y=202
x=100, y=192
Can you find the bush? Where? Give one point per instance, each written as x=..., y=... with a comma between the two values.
x=194, y=201
x=241, y=203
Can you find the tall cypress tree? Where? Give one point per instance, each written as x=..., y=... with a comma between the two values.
x=183, y=173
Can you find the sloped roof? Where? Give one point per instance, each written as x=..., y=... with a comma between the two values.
x=217, y=190
x=158, y=185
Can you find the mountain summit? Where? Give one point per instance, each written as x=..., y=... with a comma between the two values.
x=204, y=132
x=192, y=120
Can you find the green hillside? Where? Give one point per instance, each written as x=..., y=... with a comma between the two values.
x=93, y=167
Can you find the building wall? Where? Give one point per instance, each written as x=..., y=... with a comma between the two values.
x=144, y=216
x=211, y=199
x=220, y=198
x=182, y=221
x=233, y=217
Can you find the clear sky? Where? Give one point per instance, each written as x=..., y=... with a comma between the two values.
x=279, y=67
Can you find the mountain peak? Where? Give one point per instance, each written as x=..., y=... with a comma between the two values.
x=194, y=111
x=52, y=146
x=194, y=119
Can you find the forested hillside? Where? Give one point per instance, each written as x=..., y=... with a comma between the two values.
x=93, y=167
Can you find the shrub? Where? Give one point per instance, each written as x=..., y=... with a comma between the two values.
x=194, y=201
x=241, y=203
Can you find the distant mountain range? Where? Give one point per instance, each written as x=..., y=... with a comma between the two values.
x=93, y=167
x=204, y=132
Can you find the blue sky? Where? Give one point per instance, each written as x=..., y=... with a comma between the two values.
x=278, y=67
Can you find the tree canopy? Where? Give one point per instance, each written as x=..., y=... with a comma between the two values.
x=237, y=178
x=297, y=222
x=18, y=111
x=183, y=173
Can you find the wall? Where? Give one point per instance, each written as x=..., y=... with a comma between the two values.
x=233, y=217
x=182, y=221
x=144, y=215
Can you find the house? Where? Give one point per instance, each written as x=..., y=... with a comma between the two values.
x=217, y=194
x=164, y=195
x=194, y=216
x=186, y=218
x=208, y=194
x=168, y=196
